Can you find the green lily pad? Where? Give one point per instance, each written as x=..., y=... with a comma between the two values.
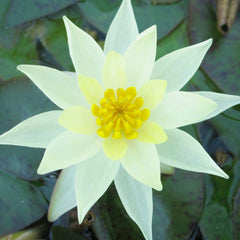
x=19, y=100
x=223, y=60
x=21, y=203
x=8, y=37
x=23, y=11
x=166, y=17
x=175, y=40
x=23, y=53
x=177, y=209
x=24, y=196
x=216, y=221
x=236, y=216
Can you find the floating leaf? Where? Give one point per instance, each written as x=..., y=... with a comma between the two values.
x=23, y=11
x=21, y=203
x=223, y=60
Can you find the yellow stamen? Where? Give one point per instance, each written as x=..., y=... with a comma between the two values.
x=120, y=114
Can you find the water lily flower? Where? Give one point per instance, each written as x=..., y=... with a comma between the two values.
x=119, y=121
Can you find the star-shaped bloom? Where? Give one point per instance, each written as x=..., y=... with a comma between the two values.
x=119, y=121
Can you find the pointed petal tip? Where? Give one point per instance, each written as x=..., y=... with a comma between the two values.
x=224, y=175
x=41, y=170
x=158, y=187
x=51, y=218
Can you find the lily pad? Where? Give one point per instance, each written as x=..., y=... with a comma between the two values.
x=177, y=209
x=24, y=52
x=23, y=198
x=223, y=60
x=21, y=203
x=23, y=11
x=19, y=100
x=216, y=221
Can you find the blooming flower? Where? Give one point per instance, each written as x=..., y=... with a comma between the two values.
x=120, y=118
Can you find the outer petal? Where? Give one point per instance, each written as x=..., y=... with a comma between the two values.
x=58, y=86
x=140, y=57
x=224, y=101
x=68, y=149
x=87, y=56
x=137, y=200
x=151, y=132
x=123, y=29
x=91, y=89
x=37, y=131
x=142, y=163
x=114, y=71
x=115, y=149
x=183, y=151
x=179, y=66
x=92, y=179
x=79, y=120
x=63, y=197
x=152, y=93
x=166, y=169
x=182, y=108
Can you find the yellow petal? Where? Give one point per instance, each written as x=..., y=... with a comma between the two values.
x=91, y=89
x=79, y=120
x=152, y=93
x=151, y=132
x=114, y=71
x=115, y=149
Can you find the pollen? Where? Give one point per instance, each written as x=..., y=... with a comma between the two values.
x=119, y=113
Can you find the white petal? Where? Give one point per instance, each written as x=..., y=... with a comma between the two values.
x=91, y=89
x=79, y=120
x=87, y=56
x=166, y=169
x=67, y=149
x=71, y=74
x=92, y=179
x=182, y=108
x=123, y=29
x=182, y=151
x=224, y=101
x=152, y=92
x=115, y=149
x=179, y=66
x=63, y=197
x=137, y=200
x=58, y=86
x=142, y=163
x=140, y=57
x=37, y=131
x=114, y=71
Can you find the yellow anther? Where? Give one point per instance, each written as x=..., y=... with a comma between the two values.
x=120, y=114
x=131, y=135
x=117, y=135
x=120, y=93
x=103, y=101
x=95, y=110
x=145, y=114
x=99, y=122
x=131, y=93
x=138, y=102
x=109, y=94
x=138, y=123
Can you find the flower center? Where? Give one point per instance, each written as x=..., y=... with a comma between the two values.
x=119, y=114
